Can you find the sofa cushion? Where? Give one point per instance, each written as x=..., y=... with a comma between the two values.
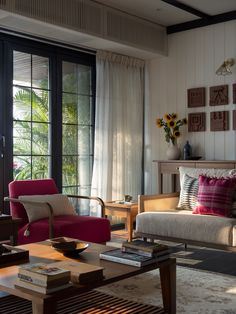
x=59, y=202
x=188, y=193
x=210, y=172
x=184, y=225
x=215, y=196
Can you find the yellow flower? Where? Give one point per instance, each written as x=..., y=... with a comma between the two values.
x=177, y=134
x=167, y=117
x=158, y=123
x=171, y=124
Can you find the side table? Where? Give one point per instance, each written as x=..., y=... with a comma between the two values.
x=9, y=230
x=125, y=210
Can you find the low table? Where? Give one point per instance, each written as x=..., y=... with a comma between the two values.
x=125, y=210
x=113, y=272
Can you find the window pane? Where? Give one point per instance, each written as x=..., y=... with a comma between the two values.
x=40, y=168
x=21, y=168
x=84, y=168
x=21, y=138
x=84, y=79
x=21, y=68
x=70, y=140
x=40, y=139
x=69, y=171
x=69, y=77
x=40, y=105
x=40, y=72
x=21, y=103
x=84, y=140
x=84, y=113
x=69, y=108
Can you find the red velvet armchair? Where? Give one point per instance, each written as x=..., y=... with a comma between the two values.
x=85, y=228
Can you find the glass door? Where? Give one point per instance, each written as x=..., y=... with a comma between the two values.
x=31, y=116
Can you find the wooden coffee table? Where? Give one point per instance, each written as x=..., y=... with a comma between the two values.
x=113, y=272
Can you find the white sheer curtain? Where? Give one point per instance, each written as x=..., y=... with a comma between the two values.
x=118, y=126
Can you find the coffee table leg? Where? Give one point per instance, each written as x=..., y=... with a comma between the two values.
x=44, y=307
x=168, y=286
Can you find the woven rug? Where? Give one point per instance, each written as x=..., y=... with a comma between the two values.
x=197, y=291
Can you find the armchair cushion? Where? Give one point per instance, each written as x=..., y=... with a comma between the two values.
x=84, y=228
x=59, y=202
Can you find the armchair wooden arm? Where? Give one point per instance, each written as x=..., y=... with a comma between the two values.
x=159, y=202
x=49, y=208
x=95, y=198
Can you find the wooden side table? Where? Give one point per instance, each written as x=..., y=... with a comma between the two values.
x=125, y=210
x=9, y=230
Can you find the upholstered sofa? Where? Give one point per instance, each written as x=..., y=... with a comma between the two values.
x=171, y=216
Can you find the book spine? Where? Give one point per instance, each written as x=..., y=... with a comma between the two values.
x=120, y=260
x=32, y=280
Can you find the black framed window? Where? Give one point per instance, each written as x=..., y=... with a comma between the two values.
x=48, y=110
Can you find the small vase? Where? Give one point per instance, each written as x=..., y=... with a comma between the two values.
x=173, y=152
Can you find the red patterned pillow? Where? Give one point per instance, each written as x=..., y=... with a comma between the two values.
x=215, y=196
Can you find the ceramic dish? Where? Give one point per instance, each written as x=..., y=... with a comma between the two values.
x=68, y=246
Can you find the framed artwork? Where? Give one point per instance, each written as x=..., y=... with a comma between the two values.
x=234, y=119
x=197, y=122
x=219, y=121
x=219, y=95
x=234, y=93
x=196, y=97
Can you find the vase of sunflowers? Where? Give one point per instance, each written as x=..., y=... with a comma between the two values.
x=172, y=132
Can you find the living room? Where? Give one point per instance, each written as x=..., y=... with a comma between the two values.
x=184, y=58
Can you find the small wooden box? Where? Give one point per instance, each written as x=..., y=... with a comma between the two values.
x=11, y=255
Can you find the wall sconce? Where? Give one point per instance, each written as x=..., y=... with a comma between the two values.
x=225, y=68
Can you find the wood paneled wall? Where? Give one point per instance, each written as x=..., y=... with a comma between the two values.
x=192, y=60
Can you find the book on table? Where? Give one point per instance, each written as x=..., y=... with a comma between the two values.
x=41, y=289
x=132, y=259
x=81, y=273
x=43, y=274
x=49, y=275
x=146, y=246
x=145, y=253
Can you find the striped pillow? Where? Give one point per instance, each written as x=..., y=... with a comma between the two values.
x=215, y=196
x=188, y=193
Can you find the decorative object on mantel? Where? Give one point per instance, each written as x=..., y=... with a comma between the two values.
x=171, y=127
x=196, y=97
x=197, y=122
x=219, y=121
x=187, y=151
x=225, y=68
x=219, y=95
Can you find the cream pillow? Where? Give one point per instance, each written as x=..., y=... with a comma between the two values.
x=59, y=202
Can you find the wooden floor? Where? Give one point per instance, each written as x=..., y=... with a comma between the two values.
x=92, y=302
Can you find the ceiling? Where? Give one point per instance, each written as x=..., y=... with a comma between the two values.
x=167, y=12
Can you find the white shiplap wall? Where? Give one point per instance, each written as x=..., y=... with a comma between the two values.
x=192, y=60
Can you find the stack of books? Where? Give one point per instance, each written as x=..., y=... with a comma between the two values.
x=138, y=253
x=43, y=278
x=81, y=273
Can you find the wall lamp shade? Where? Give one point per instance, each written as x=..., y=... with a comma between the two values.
x=225, y=68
